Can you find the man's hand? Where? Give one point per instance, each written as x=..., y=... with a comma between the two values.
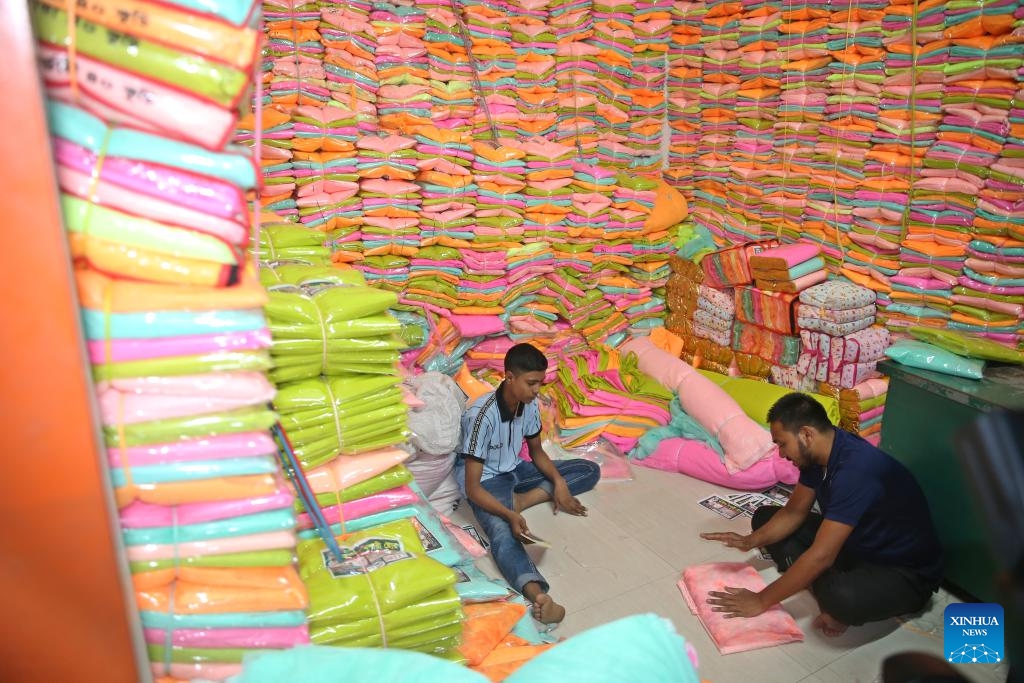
x=563, y=500
x=736, y=602
x=518, y=525
x=730, y=538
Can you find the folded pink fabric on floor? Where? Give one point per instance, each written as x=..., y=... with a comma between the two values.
x=773, y=627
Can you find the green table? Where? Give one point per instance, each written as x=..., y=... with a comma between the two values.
x=923, y=412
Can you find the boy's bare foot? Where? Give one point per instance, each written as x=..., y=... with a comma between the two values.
x=527, y=499
x=546, y=610
x=829, y=626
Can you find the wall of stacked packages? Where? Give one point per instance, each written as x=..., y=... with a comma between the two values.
x=887, y=134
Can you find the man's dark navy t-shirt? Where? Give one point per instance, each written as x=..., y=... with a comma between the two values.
x=879, y=497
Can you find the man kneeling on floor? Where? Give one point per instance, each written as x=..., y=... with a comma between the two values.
x=870, y=555
x=500, y=485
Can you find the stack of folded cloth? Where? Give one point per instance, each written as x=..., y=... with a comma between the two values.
x=497, y=225
x=682, y=292
x=177, y=341
x=760, y=67
x=790, y=268
x=683, y=87
x=537, y=95
x=714, y=315
x=642, y=310
x=444, y=348
x=400, y=58
x=330, y=323
x=490, y=40
x=526, y=266
x=176, y=226
x=282, y=242
x=341, y=415
x=391, y=198
x=988, y=299
x=325, y=169
x=434, y=276
x=840, y=345
x=718, y=101
x=632, y=200
x=842, y=361
x=548, y=173
x=293, y=55
x=446, y=185
x=585, y=309
x=208, y=58
x=408, y=601
x=775, y=311
x=850, y=119
x=600, y=393
x=730, y=266
x=803, y=47
x=452, y=100
x=861, y=407
x=652, y=24
x=592, y=187
x=571, y=20
x=204, y=510
x=387, y=272
x=614, y=36
x=921, y=295
x=349, y=45
x=576, y=77
x=481, y=288
x=275, y=155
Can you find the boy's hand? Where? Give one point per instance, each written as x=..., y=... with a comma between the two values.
x=518, y=525
x=563, y=500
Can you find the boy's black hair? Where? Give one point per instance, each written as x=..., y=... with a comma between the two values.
x=525, y=358
x=797, y=410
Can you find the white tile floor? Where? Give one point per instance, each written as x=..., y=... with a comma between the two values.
x=626, y=556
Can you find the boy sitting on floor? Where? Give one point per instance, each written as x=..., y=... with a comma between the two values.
x=500, y=485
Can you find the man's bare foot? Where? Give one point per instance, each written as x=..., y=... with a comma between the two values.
x=829, y=626
x=546, y=610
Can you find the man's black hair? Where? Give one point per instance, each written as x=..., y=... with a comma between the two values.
x=797, y=410
x=525, y=358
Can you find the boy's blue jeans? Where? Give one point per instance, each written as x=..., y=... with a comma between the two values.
x=508, y=552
